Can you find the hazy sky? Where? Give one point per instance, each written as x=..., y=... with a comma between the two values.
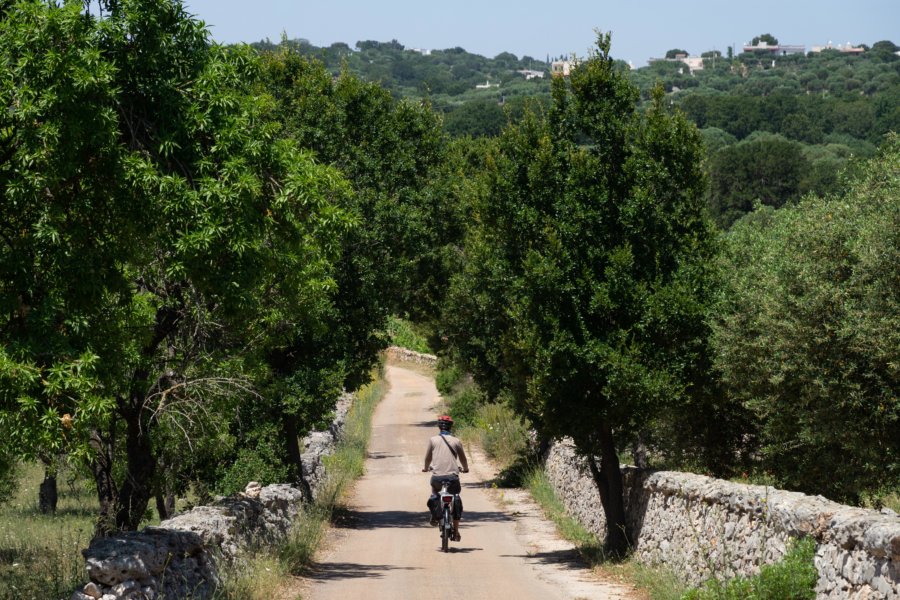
x=525, y=27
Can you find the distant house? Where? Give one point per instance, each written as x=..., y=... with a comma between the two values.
x=562, y=68
x=693, y=63
x=529, y=74
x=486, y=85
x=775, y=49
x=421, y=51
x=849, y=48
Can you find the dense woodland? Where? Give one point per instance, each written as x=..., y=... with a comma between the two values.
x=201, y=246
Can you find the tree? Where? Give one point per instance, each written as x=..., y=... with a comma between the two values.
x=475, y=118
x=392, y=154
x=769, y=169
x=809, y=334
x=155, y=226
x=585, y=278
x=675, y=52
x=768, y=38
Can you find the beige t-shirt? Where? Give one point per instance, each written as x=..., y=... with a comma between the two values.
x=439, y=456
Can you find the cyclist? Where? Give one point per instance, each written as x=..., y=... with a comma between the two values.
x=442, y=454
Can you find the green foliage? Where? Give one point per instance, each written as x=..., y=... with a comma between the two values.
x=504, y=433
x=9, y=474
x=260, y=459
x=586, y=282
x=767, y=170
x=448, y=376
x=808, y=333
x=794, y=577
x=675, y=52
x=158, y=238
x=396, y=158
x=464, y=404
x=403, y=333
x=767, y=38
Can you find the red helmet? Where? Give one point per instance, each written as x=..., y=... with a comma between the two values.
x=445, y=423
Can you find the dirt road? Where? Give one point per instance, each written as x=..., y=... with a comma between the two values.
x=385, y=549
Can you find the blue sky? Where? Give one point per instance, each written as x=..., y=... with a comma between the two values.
x=640, y=29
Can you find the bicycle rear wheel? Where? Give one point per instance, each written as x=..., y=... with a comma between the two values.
x=445, y=531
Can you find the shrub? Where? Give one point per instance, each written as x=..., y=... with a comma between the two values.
x=808, y=337
x=464, y=405
x=448, y=376
x=405, y=334
x=261, y=460
x=792, y=578
x=504, y=434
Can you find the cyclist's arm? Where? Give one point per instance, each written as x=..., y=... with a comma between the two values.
x=462, y=456
x=428, y=456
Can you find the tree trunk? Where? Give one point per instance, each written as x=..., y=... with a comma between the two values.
x=101, y=468
x=137, y=489
x=47, y=495
x=608, y=479
x=639, y=452
x=165, y=505
x=292, y=441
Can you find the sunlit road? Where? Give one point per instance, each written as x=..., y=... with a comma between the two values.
x=384, y=548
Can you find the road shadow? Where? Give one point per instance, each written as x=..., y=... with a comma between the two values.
x=327, y=571
x=394, y=519
x=564, y=558
x=462, y=550
x=379, y=455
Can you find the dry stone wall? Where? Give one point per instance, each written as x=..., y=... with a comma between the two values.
x=181, y=557
x=396, y=353
x=701, y=527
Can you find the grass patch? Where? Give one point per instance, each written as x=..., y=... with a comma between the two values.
x=590, y=548
x=342, y=468
x=792, y=578
x=656, y=582
x=407, y=335
x=40, y=555
x=253, y=578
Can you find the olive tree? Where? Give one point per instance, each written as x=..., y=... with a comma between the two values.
x=809, y=335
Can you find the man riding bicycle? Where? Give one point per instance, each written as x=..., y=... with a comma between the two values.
x=442, y=453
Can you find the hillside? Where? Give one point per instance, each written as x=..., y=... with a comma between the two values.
x=832, y=93
x=793, y=120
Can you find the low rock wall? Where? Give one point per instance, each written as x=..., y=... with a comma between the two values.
x=700, y=527
x=396, y=353
x=180, y=558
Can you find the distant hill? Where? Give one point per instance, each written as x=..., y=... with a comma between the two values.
x=470, y=89
x=813, y=98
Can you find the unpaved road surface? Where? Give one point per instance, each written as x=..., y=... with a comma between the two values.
x=383, y=548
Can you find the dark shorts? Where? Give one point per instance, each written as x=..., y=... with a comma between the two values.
x=454, y=488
